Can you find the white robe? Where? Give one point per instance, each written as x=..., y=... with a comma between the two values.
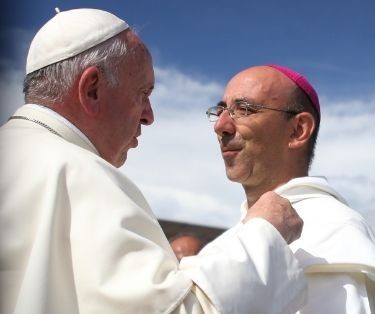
x=336, y=249
x=77, y=236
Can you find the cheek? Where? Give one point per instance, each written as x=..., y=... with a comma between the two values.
x=251, y=139
x=258, y=138
x=255, y=153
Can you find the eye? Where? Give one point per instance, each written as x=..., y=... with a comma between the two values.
x=147, y=91
x=241, y=109
x=145, y=95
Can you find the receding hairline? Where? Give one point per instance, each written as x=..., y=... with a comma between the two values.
x=134, y=42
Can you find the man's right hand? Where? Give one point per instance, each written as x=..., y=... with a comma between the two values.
x=279, y=212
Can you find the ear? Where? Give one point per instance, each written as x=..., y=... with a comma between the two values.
x=88, y=90
x=303, y=125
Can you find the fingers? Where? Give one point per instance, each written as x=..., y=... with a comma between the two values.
x=279, y=212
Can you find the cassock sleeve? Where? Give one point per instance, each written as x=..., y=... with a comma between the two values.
x=245, y=268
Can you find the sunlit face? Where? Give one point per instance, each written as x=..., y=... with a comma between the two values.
x=128, y=106
x=255, y=147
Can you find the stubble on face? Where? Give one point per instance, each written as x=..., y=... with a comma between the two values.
x=259, y=137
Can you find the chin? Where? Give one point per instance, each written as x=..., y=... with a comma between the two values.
x=232, y=177
x=122, y=161
x=118, y=162
x=239, y=175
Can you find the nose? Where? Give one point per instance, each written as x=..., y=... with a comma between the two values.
x=225, y=124
x=147, y=117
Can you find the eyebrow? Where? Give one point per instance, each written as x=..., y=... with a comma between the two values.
x=244, y=99
x=149, y=90
x=222, y=103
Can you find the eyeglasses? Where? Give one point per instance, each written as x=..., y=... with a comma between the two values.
x=239, y=109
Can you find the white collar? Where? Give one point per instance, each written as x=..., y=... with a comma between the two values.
x=62, y=120
x=301, y=188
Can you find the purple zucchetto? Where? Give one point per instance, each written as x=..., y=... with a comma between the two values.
x=302, y=83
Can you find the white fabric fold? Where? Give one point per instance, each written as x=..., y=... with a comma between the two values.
x=252, y=264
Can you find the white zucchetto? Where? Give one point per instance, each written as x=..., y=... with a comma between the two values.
x=69, y=33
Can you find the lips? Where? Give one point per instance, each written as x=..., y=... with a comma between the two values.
x=134, y=142
x=230, y=148
x=228, y=152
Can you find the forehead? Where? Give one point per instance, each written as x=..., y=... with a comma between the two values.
x=262, y=85
x=241, y=87
x=138, y=67
x=137, y=58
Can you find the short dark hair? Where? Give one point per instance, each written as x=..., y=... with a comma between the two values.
x=300, y=102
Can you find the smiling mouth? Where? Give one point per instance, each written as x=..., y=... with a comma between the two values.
x=229, y=152
x=229, y=148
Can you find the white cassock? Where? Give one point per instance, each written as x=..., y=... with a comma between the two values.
x=77, y=236
x=336, y=249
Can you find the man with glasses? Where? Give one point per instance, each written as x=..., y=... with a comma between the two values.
x=267, y=125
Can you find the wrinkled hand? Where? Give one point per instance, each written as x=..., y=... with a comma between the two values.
x=279, y=212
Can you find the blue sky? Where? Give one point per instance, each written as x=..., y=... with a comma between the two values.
x=332, y=42
x=197, y=46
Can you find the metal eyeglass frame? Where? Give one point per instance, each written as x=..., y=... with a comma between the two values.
x=241, y=109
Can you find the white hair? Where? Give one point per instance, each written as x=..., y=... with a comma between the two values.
x=52, y=83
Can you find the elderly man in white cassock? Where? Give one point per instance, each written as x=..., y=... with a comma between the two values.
x=77, y=236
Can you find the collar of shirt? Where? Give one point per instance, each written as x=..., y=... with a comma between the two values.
x=63, y=120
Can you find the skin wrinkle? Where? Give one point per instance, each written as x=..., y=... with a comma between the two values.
x=121, y=110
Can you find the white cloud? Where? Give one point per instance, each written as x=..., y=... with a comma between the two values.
x=346, y=150
x=176, y=92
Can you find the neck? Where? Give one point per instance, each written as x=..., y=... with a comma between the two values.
x=253, y=193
